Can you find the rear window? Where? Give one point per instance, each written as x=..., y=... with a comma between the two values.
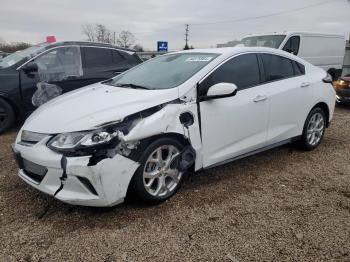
x=117, y=57
x=299, y=68
x=277, y=67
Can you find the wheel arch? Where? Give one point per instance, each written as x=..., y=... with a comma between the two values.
x=177, y=136
x=325, y=108
x=11, y=103
x=144, y=143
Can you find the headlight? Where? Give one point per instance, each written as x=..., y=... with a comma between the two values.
x=90, y=142
x=82, y=142
x=72, y=141
x=66, y=141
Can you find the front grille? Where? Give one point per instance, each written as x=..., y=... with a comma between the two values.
x=34, y=171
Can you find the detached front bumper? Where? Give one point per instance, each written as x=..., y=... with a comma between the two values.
x=103, y=184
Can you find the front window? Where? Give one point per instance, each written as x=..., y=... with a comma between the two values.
x=62, y=63
x=273, y=41
x=163, y=72
x=243, y=71
x=16, y=57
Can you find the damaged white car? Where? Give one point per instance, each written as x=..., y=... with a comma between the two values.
x=141, y=131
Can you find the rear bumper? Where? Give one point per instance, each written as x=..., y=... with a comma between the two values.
x=104, y=184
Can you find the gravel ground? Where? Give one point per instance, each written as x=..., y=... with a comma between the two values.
x=283, y=204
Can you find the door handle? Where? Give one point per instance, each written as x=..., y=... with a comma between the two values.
x=260, y=98
x=305, y=84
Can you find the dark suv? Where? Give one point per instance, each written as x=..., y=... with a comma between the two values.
x=65, y=65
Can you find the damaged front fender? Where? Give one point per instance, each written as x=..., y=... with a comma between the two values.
x=167, y=121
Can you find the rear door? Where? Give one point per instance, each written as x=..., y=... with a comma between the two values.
x=101, y=63
x=97, y=64
x=289, y=93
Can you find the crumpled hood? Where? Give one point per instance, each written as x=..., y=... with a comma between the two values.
x=91, y=106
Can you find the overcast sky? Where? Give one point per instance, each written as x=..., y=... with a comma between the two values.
x=152, y=20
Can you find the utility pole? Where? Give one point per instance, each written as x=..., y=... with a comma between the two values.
x=114, y=37
x=186, y=36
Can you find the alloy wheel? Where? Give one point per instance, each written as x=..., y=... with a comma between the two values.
x=160, y=176
x=315, y=129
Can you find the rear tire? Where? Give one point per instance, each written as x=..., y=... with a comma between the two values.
x=156, y=180
x=314, y=129
x=7, y=116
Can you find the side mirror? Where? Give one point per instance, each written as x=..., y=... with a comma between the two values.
x=31, y=67
x=220, y=90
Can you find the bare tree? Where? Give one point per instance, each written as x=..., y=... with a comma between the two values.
x=138, y=48
x=97, y=33
x=89, y=31
x=13, y=47
x=103, y=34
x=125, y=39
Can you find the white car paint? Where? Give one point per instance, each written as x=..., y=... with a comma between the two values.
x=242, y=131
x=226, y=128
x=90, y=106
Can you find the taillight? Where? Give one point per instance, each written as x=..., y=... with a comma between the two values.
x=328, y=79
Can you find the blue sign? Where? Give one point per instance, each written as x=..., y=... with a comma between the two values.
x=162, y=46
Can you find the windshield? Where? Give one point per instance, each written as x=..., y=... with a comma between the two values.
x=273, y=41
x=163, y=72
x=19, y=55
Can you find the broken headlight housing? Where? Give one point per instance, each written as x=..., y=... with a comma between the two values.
x=68, y=141
x=96, y=141
x=88, y=142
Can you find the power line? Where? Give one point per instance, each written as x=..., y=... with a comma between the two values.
x=241, y=19
x=264, y=16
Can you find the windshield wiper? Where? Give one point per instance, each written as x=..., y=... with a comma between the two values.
x=132, y=86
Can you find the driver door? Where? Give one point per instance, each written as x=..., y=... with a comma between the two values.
x=236, y=125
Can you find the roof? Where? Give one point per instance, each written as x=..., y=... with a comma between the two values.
x=296, y=32
x=85, y=43
x=234, y=50
x=227, y=52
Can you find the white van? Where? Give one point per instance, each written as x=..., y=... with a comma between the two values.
x=324, y=50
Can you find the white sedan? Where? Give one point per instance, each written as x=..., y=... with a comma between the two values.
x=141, y=131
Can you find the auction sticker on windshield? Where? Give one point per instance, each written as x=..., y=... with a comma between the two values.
x=199, y=59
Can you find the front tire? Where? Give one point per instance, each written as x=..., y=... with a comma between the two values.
x=7, y=116
x=314, y=129
x=157, y=179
